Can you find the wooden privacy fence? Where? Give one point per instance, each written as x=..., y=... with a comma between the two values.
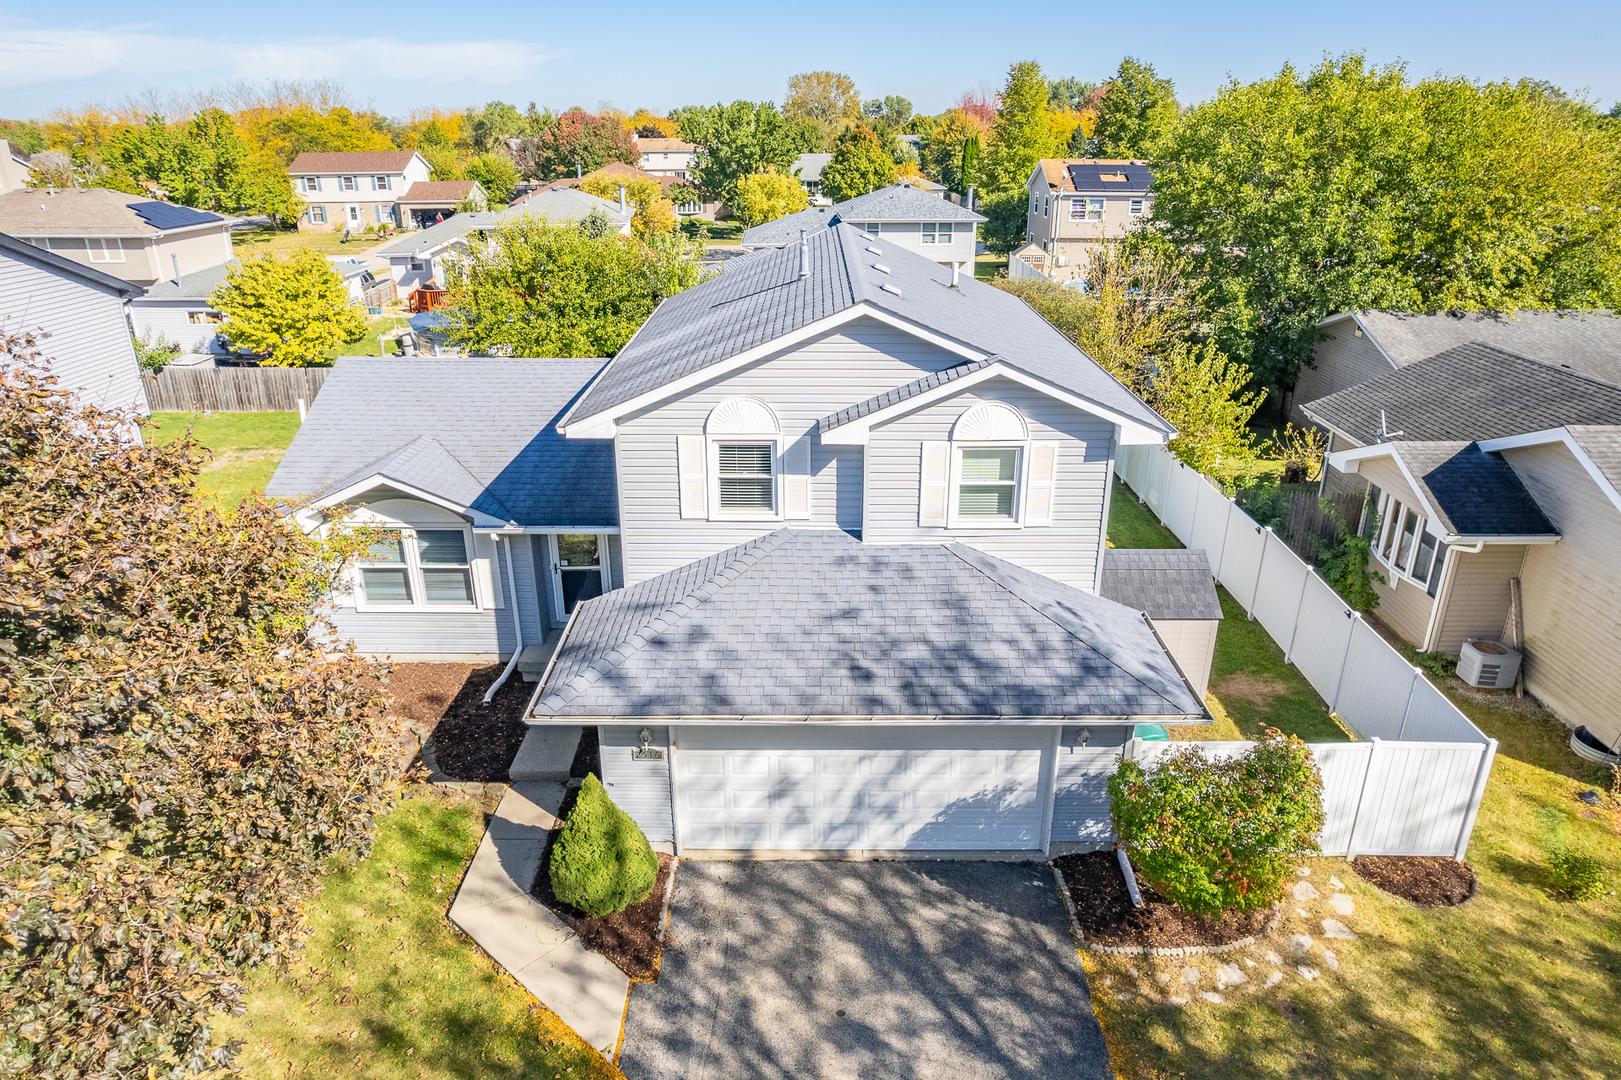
x=245, y=389
x=1416, y=788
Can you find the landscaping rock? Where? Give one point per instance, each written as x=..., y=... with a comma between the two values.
x=1300, y=944
x=1190, y=975
x=1310, y=973
x=1179, y=1001
x=1274, y=958
x=1342, y=904
x=1231, y=975
x=1304, y=871
x=1163, y=976
x=1333, y=928
x=1214, y=999
x=1273, y=979
x=1331, y=960
x=1336, y=882
x=1305, y=890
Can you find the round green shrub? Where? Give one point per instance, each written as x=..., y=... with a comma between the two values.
x=1582, y=876
x=602, y=862
x=1224, y=834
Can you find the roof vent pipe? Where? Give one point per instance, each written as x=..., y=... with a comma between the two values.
x=621, y=198
x=956, y=274
x=970, y=196
x=174, y=260
x=804, y=255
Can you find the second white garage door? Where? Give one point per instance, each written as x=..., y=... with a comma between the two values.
x=849, y=787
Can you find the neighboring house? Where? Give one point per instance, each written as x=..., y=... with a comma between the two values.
x=623, y=174
x=182, y=311
x=808, y=167
x=354, y=189
x=430, y=202
x=80, y=313
x=1079, y=204
x=131, y=237
x=667, y=157
x=824, y=539
x=561, y=206
x=1484, y=467
x=419, y=257
x=1177, y=591
x=902, y=216
x=14, y=168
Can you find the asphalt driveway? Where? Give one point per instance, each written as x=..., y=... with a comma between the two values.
x=844, y=970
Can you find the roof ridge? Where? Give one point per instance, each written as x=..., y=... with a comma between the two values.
x=859, y=293
x=1557, y=369
x=1156, y=691
x=743, y=557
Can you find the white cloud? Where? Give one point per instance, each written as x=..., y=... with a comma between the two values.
x=30, y=57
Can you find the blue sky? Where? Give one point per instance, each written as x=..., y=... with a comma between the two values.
x=411, y=53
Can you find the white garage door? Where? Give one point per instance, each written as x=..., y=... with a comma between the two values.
x=846, y=787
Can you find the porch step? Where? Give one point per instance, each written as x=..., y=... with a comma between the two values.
x=533, y=659
x=546, y=754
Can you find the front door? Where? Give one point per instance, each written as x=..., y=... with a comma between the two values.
x=577, y=570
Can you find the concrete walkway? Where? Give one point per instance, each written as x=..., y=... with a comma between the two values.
x=494, y=908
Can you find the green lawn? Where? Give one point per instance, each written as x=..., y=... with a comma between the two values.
x=1133, y=525
x=282, y=241
x=245, y=447
x=386, y=988
x=987, y=267
x=1255, y=687
x=367, y=345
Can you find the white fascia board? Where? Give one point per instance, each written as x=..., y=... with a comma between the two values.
x=604, y=425
x=1320, y=422
x=510, y=529
x=480, y=519
x=1351, y=458
x=1539, y=538
x=1557, y=435
x=856, y=432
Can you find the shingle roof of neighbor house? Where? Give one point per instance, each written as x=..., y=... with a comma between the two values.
x=1472, y=492
x=810, y=166
x=1467, y=392
x=49, y=260
x=94, y=212
x=897, y=202
x=562, y=204
x=762, y=297
x=812, y=623
x=1586, y=342
x=478, y=431
x=667, y=146
x=1169, y=583
x=353, y=161
x=197, y=285
x=421, y=241
x=1602, y=443
x=438, y=191
x=1086, y=174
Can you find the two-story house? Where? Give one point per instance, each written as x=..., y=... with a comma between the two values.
x=132, y=237
x=904, y=216
x=1079, y=204
x=354, y=189
x=667, y=157
x=819, y=552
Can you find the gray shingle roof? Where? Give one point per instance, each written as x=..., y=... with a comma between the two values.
x=813, y=623
x=198, y=285
x=563, y=204
x=761, y=298
x=1168, y=583
x=810, y=166
x=1603, y=445
x=898, y=202
x=1586, y=342
x=1468, y=392
x=400, y=417
x=903, y=393
x=1473, y=493
x=421, y=241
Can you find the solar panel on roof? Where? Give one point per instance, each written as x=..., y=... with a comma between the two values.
x=162, y=215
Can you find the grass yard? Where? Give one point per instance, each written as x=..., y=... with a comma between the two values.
x=368, y=345
x=987, y=267
x=387, y=988
x=245, y=446
x=282, y=241
x=1133, y=525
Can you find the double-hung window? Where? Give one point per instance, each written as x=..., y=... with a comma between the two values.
x=347, y=183
x=872, y=228
x=317, y=215
x=312, y=183
x=103, y=250
x=1077, y=209
x=420, y=568
x=1136, y=209
x=688, y=208
x=379, y=183
x=937, y=232
x=988, y=484
x=745, y=478
x=1401, y=541
x=1094, y=209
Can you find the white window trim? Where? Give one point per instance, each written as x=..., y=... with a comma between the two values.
x=955, y=519
x=1389, y=526
x=712, y=463
x=386, y=184
x=348, y=183
x=1136, y=207
x=104, y=249
x=1095, y=205
x=317, y=215
x=413, y=574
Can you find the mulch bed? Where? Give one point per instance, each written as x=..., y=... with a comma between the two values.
x=1107, y=916
x=631, y=939
x=587, y=756
x=1426, y=880
x=471, y=740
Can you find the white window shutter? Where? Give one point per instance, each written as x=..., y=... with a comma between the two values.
x=796, y=480
x=489, y=590
x=690, y=453
x=1043, y=465
x=936, y=474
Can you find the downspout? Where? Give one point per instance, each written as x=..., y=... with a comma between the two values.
x=1443, y=591
x=517, y=623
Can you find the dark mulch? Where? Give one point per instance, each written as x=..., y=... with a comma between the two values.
x=1104, y=909
x=1426, y=880
x=587, y=756
x=471, y=740
x=632, y=939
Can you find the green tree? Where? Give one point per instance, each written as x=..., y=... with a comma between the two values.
x=495, y=172
x=491, y=126
x=23, y=135
x=860, y=163
x=601, y=862
x=204, y=163
x=294, y=307
x=827, y=97
x=444, y=161
x=894, y=112
x=767, y=196
x=1137, y=112
x=1069, y=93
x=1006, y=220
x=577, y=141
x=1022, y=134
x=942, y=157
x=186, y=748
x=735, y=141
x=654, y=213
x=544, y=290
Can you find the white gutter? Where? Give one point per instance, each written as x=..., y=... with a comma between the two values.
x=517, y=623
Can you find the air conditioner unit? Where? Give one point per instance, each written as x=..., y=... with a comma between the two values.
x=1063, y=260
x=1488, y=664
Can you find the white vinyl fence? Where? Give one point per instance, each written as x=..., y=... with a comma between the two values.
x=1415, y=787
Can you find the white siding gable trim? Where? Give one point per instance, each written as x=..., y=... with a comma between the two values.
x=480, y=519
x=856, y=432
x=1557, y=435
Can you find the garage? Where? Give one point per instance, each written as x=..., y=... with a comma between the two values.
x=851, y=786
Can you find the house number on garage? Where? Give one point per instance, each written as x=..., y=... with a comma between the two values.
x=645, y=752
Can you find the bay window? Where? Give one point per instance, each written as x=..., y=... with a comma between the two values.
x=1400, y=540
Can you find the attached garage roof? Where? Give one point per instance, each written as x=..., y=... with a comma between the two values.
x=1169, y=583
x=813, y=624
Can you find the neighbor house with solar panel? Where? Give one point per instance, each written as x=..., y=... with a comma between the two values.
x=132, y=237
x=820, y=552
x=1079, y=204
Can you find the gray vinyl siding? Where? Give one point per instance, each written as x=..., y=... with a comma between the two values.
x=639, y=788
x=802, y=384
x=1336, y=482
x=172, y=319
x=1081, y=802
x=1403, y=606
x=1572, y=600
x=1067, y=550
x=89, y=342
x=1192, y=643
x=1342, y=360
x=1477, y=599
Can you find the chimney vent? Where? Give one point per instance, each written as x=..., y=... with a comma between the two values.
x=956, y=274
x=174, y=261
x=621, y=198
x=970, y=196
x=804, y=255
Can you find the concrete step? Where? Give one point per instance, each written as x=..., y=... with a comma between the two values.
x=532, y=660
x=546, y=754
